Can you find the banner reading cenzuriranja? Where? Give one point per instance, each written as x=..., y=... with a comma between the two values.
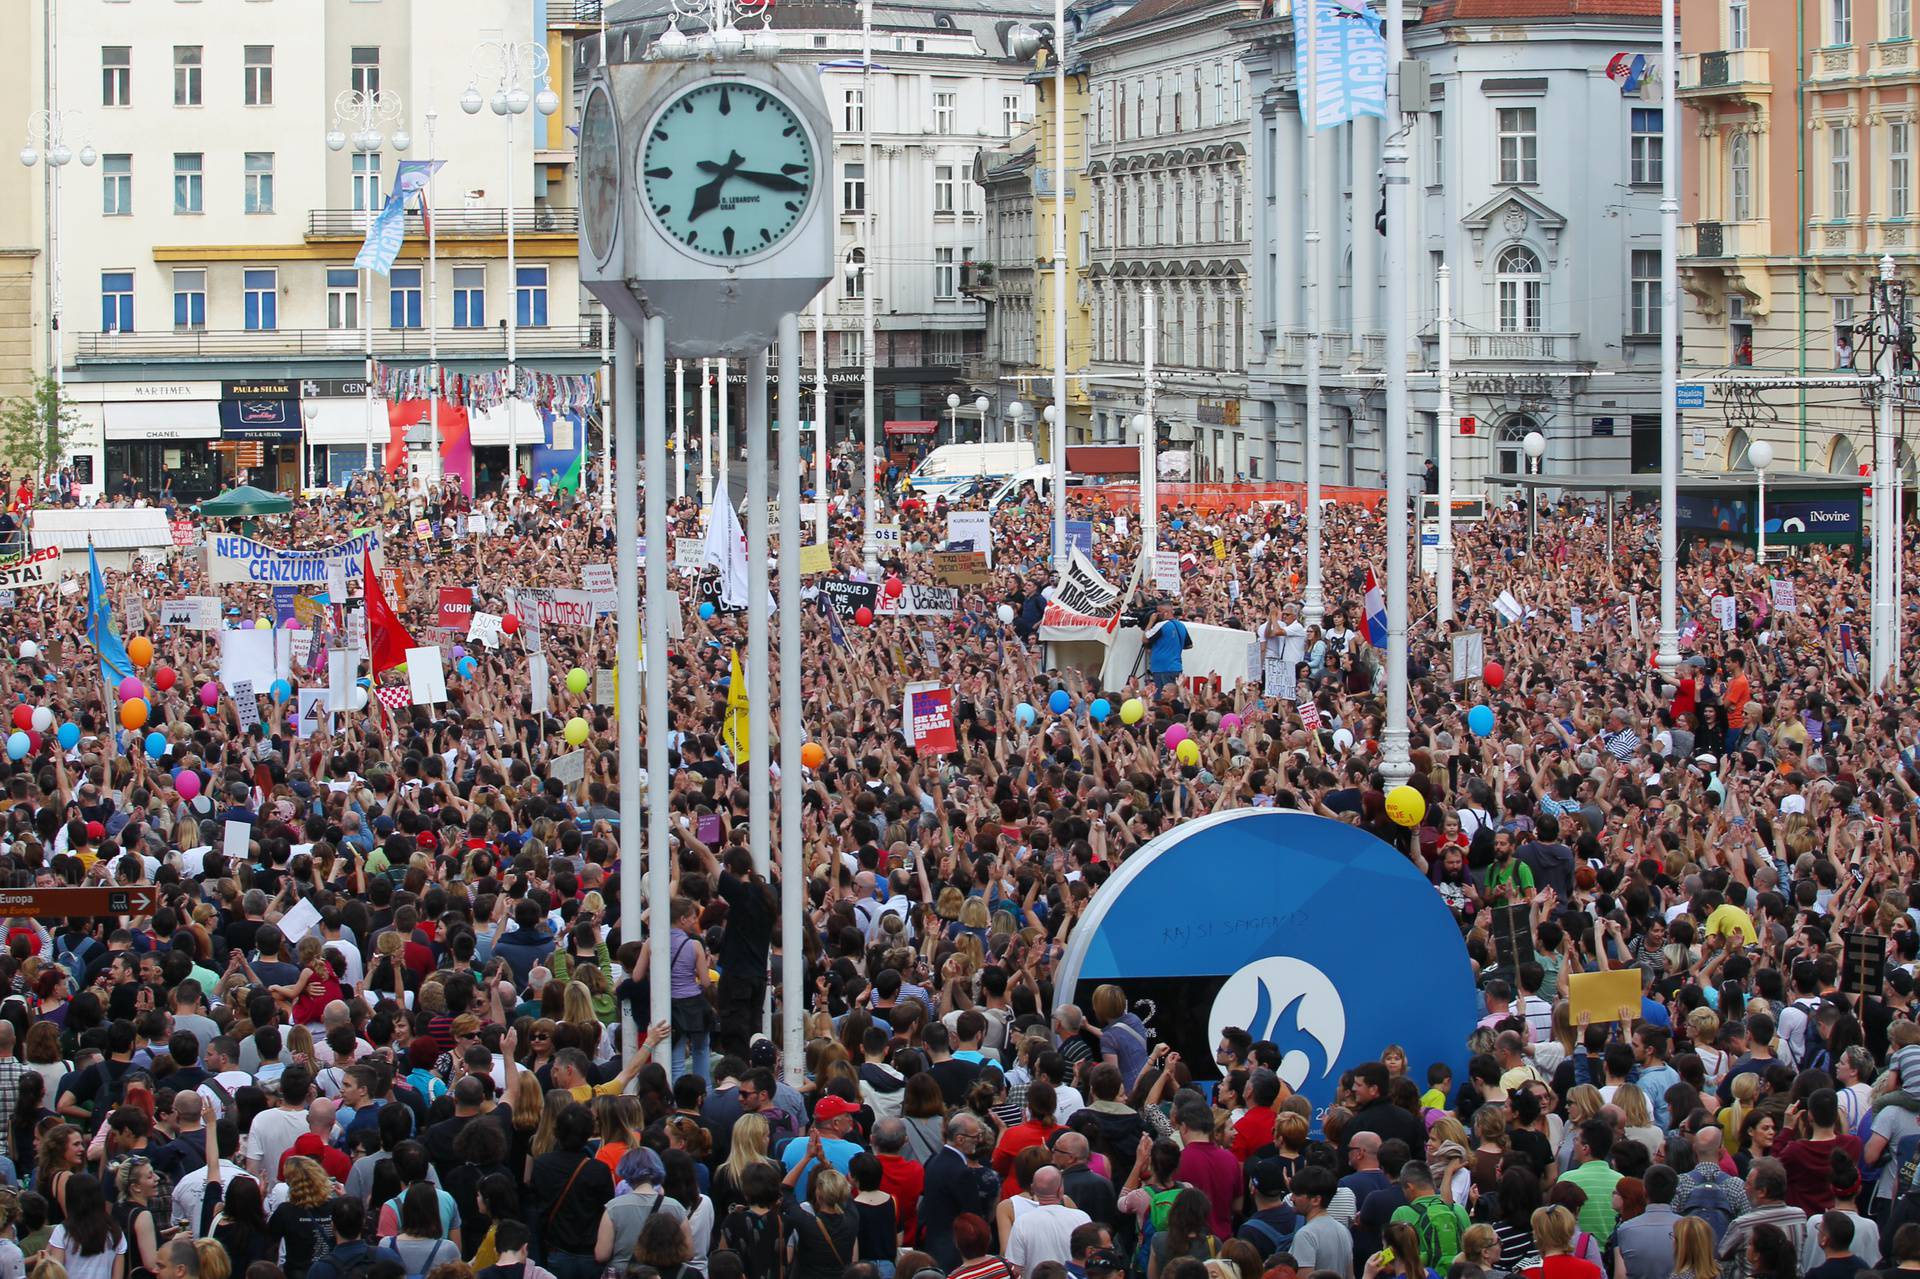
x=241, y=559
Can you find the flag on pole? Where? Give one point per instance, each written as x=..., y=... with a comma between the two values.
x=726, y=549
x=570, y=480
x=1350, y=76
x=387, y=638
x=388, y=230
x=734, y=727
x=115, y=665
x=1376, y=613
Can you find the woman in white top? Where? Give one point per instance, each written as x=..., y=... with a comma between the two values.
x=1854, y=1074
x=88, y=1243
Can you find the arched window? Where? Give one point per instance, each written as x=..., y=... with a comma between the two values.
x=856, y=278
x=1521, y=290
x=1738, y=442
x=1512, y=456
x=1841, y=457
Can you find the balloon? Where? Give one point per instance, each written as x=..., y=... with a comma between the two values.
x=1230, y=724
x=262, y=624
x=28, y=650
x=1406, y=806
x=576, y=731
x=17, y=745
x=466, y=667
x=69, y=735
x=863, y=616
x=1175, y=734
x=23, y=717
x=813, y=754
x=280, y=691
x=163, y=679
x=360, y=696
x=33, y=741
x=1342, y=739
x=705, y=610
x=1059, y=703
x=1025, y=714
x=510, y=623
x=140, y=650
x=1495, y=674
x=1005, y=614
x=1100, y=708
x=156, y=745
x=893, y=588
x=1132, y=711
x=133, y=714
x=188, y=784
x=1187, y=752
x=459, y=651
x=576, y=681
x=130, y=688
x=42, y=719
x=209, y=694
x=1480, y=720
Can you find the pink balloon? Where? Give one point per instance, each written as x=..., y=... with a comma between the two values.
x=188, y=784
x=1230, y=724
x=130, y=688
x=1175, y=734
x=210, y=693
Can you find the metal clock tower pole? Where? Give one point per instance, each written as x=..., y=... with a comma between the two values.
x=870, y=545
x=623, y=441
x=792, y=850
x=659, y=850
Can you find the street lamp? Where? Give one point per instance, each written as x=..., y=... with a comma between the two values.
x=1016, y=411
x=50, y=137
x=365, y=114
x=953, y=417
x=980, y=405
x=1760, y=457
x=311, y=412
x=511, y=66
x=1535, y=444
x=1149, y=489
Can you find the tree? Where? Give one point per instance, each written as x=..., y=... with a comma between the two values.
x=36, y=428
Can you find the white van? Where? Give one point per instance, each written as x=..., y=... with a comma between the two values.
x=952, y=464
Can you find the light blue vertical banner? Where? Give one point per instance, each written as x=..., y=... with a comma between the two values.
x=1351, y=77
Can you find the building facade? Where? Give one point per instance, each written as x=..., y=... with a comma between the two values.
x=1800, y=124
x=1536, y=177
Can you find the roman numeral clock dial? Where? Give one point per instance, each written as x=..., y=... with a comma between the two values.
x=728, y=170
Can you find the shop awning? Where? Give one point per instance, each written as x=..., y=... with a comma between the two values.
x=912, y=428
x=489, y=428
x=345, y=422
x=174, y=420
x=266, y=421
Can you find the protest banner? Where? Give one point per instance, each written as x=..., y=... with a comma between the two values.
x=816, y=558
x=960, y=568
x=550, y=607
x=1086, y=605
x=928, y=715
x=313, y=716
x=1602, y=995
x=689, y=553
x=1785, y=597
x=426, y=675
x=847, y=597
x=232, y=559
x=975, y=528
x=456, y=607
x=1166, y=572
x=484, y=628
x=36, y=568
x=183, y=532
x=597, y=579
x=887, y=538
x=569, y=769
x=194, y=613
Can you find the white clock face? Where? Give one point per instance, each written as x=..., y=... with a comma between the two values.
x=728, y=170
x=600, y=172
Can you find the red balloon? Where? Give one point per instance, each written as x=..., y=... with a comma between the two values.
x=163, y=679
x=33, y=742
x=1495, y=674
x=894, y=587
x=23, y=717
x=510, y=623
x=863, y=615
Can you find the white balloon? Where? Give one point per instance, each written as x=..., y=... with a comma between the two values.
x=1006, y=615
x=1342, y=739
x=28, y=650
x=359, y=698
x=42, y=719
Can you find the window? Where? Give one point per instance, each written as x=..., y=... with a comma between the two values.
x=853, y=349
x=853, y=188
x=1840, y=21
x=259, y=182
x=186, y=75
x=1899, y=19
x=364, y=74
x=257, y=83
x=1439, y=148
x=1840, y=171
x=190, y=299
x=1219, y=93
x=854, y=283
x=262, y=299
x=1009, y=113
x=943, y=188
x=469, y=297
x=853, y=113
x=1899, y=169
x=116, y=186
x=116, y=75
x=945, y=274
x=186, y=181
x=1648, y=147
x=403, y=298
x=1519, y=288
x=366, y=180
x=116, y=301
x=1740, y=177
x=343, y=297
x=1644, y=320
x=943, y=111
x=1739, y=332
x=1843, y=334
x=1736, y=24
x=1519, y=144
x=530, y=297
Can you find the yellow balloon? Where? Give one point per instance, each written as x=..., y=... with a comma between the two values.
x=1187, y=752
x=576, y=731
x=1132, y=711
x=1406, y=806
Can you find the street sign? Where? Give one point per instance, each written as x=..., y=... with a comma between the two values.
x=1690, y=395
x=52, y=903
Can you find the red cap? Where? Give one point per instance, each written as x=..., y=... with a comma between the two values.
x=832, y=1107
x=96, y=831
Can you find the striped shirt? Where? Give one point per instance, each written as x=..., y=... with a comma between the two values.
x=1623, y=744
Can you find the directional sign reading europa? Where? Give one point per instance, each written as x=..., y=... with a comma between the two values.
x=51, y=903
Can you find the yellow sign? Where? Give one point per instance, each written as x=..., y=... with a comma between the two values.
x=734, y=727
x=816, y=559
x=1220, y=549
x=1603, y=995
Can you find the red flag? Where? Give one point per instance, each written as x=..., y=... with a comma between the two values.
x=387, y=639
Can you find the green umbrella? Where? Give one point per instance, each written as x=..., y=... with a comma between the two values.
x=243, y=501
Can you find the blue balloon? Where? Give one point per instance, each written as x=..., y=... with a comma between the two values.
x=156, y=745
x=1059, y=703
x=1100, y=709
x=18, y=745
x=466, y=666
x=1480, y=720
x=69, y=735
x=280, y=690
x=1025, y=714
x=706, y=611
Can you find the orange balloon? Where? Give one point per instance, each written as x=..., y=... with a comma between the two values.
x=813, y=754
x=140, y=649
x=133, y=713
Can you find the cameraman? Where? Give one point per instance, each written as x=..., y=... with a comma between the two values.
x=1167, y=641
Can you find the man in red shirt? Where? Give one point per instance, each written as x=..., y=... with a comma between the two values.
x=1255, y=1128
x=1038, y=1127
x=1208, y=1168
x=1734, y=700
x=900, y=1177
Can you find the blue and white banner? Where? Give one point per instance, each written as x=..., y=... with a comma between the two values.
x=389, y=228
x=1351, y=51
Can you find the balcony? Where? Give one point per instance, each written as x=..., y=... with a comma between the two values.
x=976, y=279
x=1894, y=58
x=331, y=344
x=452, y=224
x=1751, y=238
x=1736, y=73
x=1507, y=348
x=1836, y=62
x=575, y=13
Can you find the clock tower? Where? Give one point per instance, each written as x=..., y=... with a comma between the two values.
x=704, y=198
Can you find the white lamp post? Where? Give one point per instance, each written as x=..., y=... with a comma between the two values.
x=367, y=114
x=311, y=412
x=1760, y=457
x=51, y=138
x=1535, y=444
x=1149, y=489
x=1016, y=411
x=953, y=418
x=511, y=66
x=981, y=405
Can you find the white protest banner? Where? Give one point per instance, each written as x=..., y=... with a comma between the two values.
x=539, y=682
x=314, y=717
x=1726, y=608
x=337, y=582
x=241, y=559
x=194, y=613
x=597, y=579
x=1785, y=596
x=603, y=687
x=484, y=628
x=340, y=668
x=1310, y=715
x=887, y=538
x=247, y=656
x=299, y=921
x=530, y=637
x=1469, y=656
x=426, y=675
x=690, y=553
x=34, y=569
x=556, y=608
x=1166, y=572
x=477, y=523
x=1279, y=678
x=1508, y=607
x=975, y=528
x=235, y=847
x=1577, y=620
x=1085, y=605
x=246, y=704
x=919, y=599
x=569, y=769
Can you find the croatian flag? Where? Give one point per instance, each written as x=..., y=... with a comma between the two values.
x=1376, y=613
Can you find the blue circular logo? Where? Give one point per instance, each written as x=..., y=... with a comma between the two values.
x=1298, y=929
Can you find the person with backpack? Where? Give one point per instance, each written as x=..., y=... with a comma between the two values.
x=1270, y=1227
x=1709, y=1192
x=421, y=1243
x=1150, y=1190
x=752, y=1229
x=1436, y=1223
x=351, y=1256
x=644, y=1176
x=1188, y=1233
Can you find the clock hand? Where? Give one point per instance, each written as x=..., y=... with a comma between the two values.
x=707, y=197
x=771, y=181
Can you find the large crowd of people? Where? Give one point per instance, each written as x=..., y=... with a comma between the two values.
x=378, y=1036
